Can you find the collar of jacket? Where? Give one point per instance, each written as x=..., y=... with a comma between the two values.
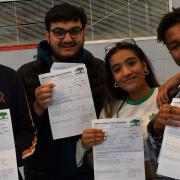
x=44, y=53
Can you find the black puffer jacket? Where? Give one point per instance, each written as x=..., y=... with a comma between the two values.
x=56, y=159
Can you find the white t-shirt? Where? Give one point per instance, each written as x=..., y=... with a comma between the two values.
x=145, y=108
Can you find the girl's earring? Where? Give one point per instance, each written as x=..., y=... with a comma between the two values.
x=146, y=72
x=116, y=85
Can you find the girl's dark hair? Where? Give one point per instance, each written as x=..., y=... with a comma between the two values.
x=63, y=13
x=113, y=93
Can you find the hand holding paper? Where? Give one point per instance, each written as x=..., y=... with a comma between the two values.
x=92, y=136
x=43, y=96
x=71, y=108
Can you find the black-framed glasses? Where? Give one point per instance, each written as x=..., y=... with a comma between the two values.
x=60, y=32
x=123, y=41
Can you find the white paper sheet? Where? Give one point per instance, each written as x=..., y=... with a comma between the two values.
x=8, y=164
x=169, y=158
x=72, y=106
x=62, y=66
x=121, y=155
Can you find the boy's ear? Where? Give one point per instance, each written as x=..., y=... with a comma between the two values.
x=47, y=36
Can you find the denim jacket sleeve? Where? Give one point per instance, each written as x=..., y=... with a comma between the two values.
x=154, y=144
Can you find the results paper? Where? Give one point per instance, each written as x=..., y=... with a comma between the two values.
x=72, y=107
x=8, y=164
x=121, y=155
x=169, y=158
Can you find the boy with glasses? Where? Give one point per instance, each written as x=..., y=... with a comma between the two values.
x=65, y=28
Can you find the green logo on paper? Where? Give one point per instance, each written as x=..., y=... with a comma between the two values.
x=79, y=70
x=135, y=122
x=2, y=115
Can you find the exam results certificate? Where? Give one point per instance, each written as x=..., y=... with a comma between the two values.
x=8, y=163
x=169, y=158
x=121, y=155
x=72, y=107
